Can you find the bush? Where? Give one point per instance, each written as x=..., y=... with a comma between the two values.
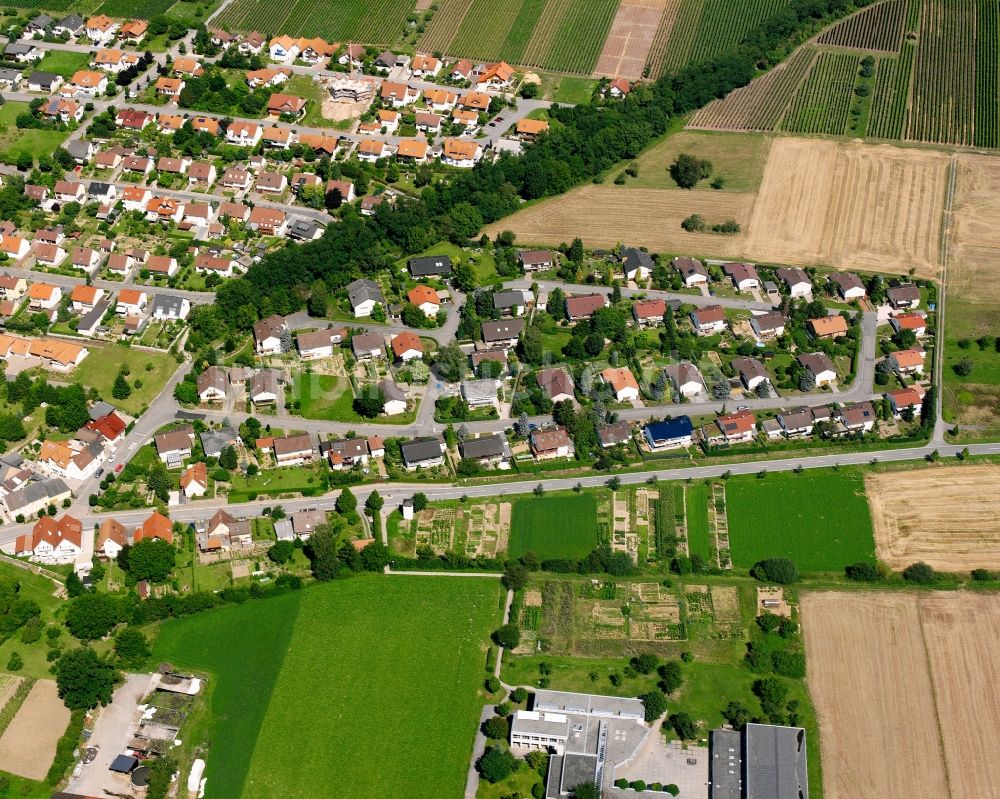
x=672, y=789
x=775, y=570
x=496, y=727
x=862, y=572
x=519, y=695
x=684, y=726
x=981, y=575
x=919, y=573
x=508, y=636
x=492, y=684
x=655, y=704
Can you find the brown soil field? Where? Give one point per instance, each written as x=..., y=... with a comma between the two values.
x=603, y=216
x=948, y=517
x=847, y=204
x=28, y=745
x=920, y=670
x=871, y=687
x=974, y=262
x=630, y=37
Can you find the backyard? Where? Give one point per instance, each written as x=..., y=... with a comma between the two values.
x=335, y=672
x=14, y=141
x=64, y=62
x=557, y=526
x=820, y=520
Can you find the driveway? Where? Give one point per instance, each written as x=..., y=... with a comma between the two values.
x=113, y=730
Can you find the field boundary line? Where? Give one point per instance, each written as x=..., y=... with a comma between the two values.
x=934, y=694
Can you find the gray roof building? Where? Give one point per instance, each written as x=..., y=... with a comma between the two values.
x=479, y=392
x=368, y=344
x=487, y=447
x=505, y=300
x=363, y=290
x=430, y=265
x=168, y=306
x=10, y=75
x=44, y=79
x=611, y=435
x=763, y=762
x=502, y=330
x=34, y=492
x=71, y=22
x=422, y=450
x=80, y=150
x=19, y=48
x=305, y=229
x=214, y=441
x=390, y=391
x=93, y=317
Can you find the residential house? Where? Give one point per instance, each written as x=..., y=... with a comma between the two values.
x=368, y=345
x=213, y=442
x=134, y=32
x=293, y=450
x=52, y=541
x=583, y=306
x=46, y=82
x=636, y=264
x=735, y=428
x=618, y=88
x=461, y=69
x=686, y=379
x=751, y=371
x=427, y=122
x=709, y=320
x=264, y=387
x=101, y=29
x=406, y=346
x=423, y=453
x=512, y=302
x=364, y=295
x=649, y=312
x=496, y=77
x=491, y=451
x=175, y=445
x=305, y=522
x=536, y=260
x=692, y=271
x=398, y=95
x=319, y=343
x=114, y=61
x=425, y=66
x=907, y=362
x=212, y=385
x=433, y=265
x=156, y=528
x=131, y=302
x=267, y=77
x=614, y=434
x=744, y=276
x=271, y=182
x=282, y=104
x=412, y=151
x=270, y=334
x=481, y=393
x=910, y=398
x=345, y=453
x=859, y=417
x=530, y=129
x=796, y=281
x=393, y=398
x=669, y=434
x=68, y=191
x=43, y=296
x=22, y=52
x=440, y=101
x=71, y=460
x=169, y=306
x=236, y=177
x=849, y=285
x=550, y=442
x=503, y=333
x=85, y=297
x=425, y=298
x=194, y=480
x=244, y=134
x=111, y=539
x=268, y=221
x=162, y=265
x=910, y=321
x=622, y=382
x=187, y=66
x=50, y=255
x=463, y=153
x=768, y=326
x=169, y=87
x=71, y=25
x=202, y=172
x=820, y=367
x=133, y=119
x=797, y=422
x=371, y=150
x=828, y=327
x=475, y=101
x=903, y=297
x=556, y=383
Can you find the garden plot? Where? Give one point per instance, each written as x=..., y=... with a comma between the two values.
x=487, y=529
x=436, y=528
x=624, y=535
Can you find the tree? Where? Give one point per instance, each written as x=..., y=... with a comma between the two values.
x=575, y=251
x=919, y=573
x=186, y=392
x=687, y=170
x=228, y=459
x=655, y=704
x=74, y=585
x=775, y=570
x=586, y=790
x=370, y=402
x=158, y=481
x=508, y=636
x=964, y=367
x=346, y=502
x=515, y=576
x=92, y=616
x=450, y=362
x=695, y=223
x=671, y=677
x=419, y=501
x=737, y=715
x=151, y=559
x=132, y=648
x=85, y=680
x=496, y=764
x=684, y=726
x=496, y=727
x=121, y=389
x=281, y=552
x=981, y=575
x=374, y=503
x=322, y=551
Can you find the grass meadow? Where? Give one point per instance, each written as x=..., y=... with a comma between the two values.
x=14, y=141
x=820, y=520
x=696, y=512
x=101, y=367
x=363, y=687
x=557, y=526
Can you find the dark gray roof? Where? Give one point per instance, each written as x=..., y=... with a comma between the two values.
x=41, y=21
x=430, y=265
x=502, y=330
x=304, y=229
x=486, y=447
x=611, y=434
x=101, y=409
x=363, y=290
x=43, y=78
x=775, y=762
x=421, y=449
x=633, y=257
x=81, y=149
x=165, y=303
x=507, y=299
x=94, y=315
x=214, y=441
x=725, y=764
x=71, y=22
x=96, y=188
x=12, y=75
x=366, y=342
x=18, y=48
x=391, y=391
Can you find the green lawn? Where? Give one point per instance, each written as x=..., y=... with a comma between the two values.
x=325, y=397
x=63, y=62
x=289, y=480
x=557, y=526
x=819, y=519
x=100, y=368
x=696, y=513
x=14, y=141
x=574, y=91
x=310, y=687
x=305, y=87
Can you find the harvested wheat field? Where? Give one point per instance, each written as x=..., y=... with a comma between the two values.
x=630, y=37
x=920, y=671
x=870, y=685
x=948, y=517
x=28, y=745
x=603, y=216
x=847, y=204
x=974, y=264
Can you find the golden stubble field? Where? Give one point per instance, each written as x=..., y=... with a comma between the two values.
x=850, y=205
x=604, y=216
x=948, y=517
x=904, y=690
x=28, y=745
x=974, y=263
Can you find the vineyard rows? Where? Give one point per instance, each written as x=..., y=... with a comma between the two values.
x=546, y=30
x=658, y=49
x=684, y=32
x=144, y=9
x=877, y=28
x=579, y=38
x=49, y=5
x=378, y=22
x=891, y=95
x=760, y=105
x=444, y=26
x=823, y=103
x=484, y=30
x=987, y=73
x=944, y=87
x=724, y=23
x=520, y=31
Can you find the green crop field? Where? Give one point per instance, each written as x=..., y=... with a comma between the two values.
x=823, y=102
x=558, y=526
x=378, y=22
x=310, y=687
x=696, y=498
x=561, y=35
x=820, y=520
